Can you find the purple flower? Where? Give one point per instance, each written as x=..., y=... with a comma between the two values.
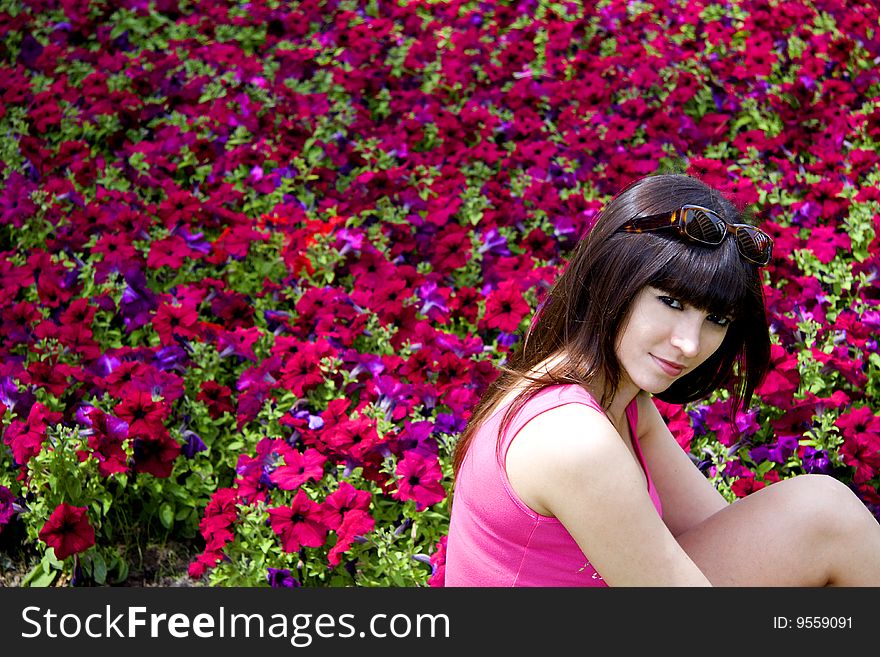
x=507, y=339
x=816, y=461
x=194, y=444
x=30, y=50
x=448, y=423
x=417, y=437
x=137, y=300
x=7, y=506
x=698, y=419
x=194, y=241
x=494, y=242
x=281, y=578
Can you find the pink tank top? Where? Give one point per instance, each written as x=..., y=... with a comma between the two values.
x=494, y=538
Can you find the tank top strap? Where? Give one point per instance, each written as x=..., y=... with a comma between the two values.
x=544, y=400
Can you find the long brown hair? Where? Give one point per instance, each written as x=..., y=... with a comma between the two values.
x=586, y=307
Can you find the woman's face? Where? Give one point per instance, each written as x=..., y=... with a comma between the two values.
x=664, y=338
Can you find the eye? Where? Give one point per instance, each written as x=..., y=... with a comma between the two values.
x=719, y=320
x=671, y=302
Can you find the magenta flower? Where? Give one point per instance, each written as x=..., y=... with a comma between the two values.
x=438, y=564
x=355, y=524
x=298, y=467
x=106, y=439
x=418, y=479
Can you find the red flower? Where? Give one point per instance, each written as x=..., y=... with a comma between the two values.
x=25, y=437
x=678, y=421
x=174, y=320
x=68, y=530
x=217, y=398
x=301, y=371
x=356, y=522
x=746, y=485
x=155, y=454
x=106, y=438
x=782, y=381
x=172, y=251
x=300, y=524
x=143, y=415
x=505, y=308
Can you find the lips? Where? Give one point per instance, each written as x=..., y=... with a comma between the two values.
x=672, y=369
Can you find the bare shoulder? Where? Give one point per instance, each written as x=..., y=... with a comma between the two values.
x=568, y=441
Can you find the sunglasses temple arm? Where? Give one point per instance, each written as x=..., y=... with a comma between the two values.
x=653, y=221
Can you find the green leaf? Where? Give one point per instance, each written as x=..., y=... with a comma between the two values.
x=99, y=569
x=166, y=515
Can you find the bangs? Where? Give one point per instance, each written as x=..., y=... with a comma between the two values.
x=713, y=279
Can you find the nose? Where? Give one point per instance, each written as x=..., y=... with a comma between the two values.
x=686, y=334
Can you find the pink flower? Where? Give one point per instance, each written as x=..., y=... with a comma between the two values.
x=438, y=563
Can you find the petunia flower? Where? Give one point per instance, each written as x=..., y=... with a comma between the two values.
x=217, y=397
x=505, y=308
x=25, y=436
x=300, y=524
x=298, y=467
x=281, y=578
x=7, y=506
x=143, y=415
x=68, y=530
x=418, y=479
x=155, y=453
x=356, y=523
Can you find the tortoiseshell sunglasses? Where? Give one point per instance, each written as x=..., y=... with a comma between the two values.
x=707, y=227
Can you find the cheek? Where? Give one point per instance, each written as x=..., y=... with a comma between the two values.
x=712, y=341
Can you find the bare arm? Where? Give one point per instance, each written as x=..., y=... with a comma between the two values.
x=688, y=497
x=570, y=462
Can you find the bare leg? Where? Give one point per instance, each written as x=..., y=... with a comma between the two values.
x=810, y=530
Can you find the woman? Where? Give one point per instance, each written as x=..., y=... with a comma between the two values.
x=567, y=475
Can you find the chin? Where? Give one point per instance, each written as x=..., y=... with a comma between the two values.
x=656, y=387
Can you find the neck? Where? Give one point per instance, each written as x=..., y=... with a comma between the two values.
x=616, y=410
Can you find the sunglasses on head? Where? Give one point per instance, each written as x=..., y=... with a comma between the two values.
x=707, y=227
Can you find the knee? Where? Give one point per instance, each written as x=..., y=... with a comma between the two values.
x=828, y=504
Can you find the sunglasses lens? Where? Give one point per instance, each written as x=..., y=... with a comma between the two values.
x=703, y=226
x=753, y=244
